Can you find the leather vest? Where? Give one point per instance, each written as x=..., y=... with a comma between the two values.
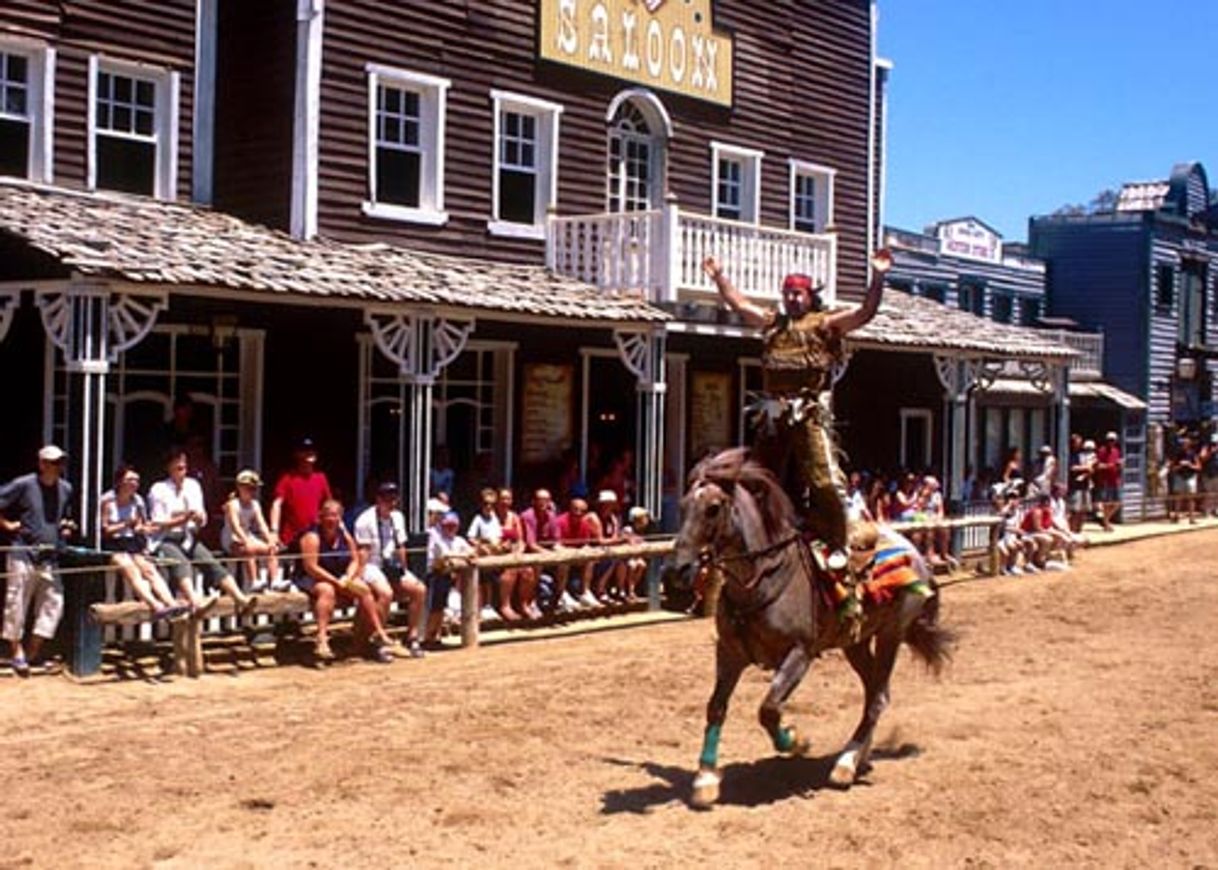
x=799, y=354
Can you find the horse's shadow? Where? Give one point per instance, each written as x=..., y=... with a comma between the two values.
x=745, y=784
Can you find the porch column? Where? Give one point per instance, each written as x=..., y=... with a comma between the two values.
x=91, y=325
x=1061, y=398
x=643, y=355
x=421, y=345
x=955, y=377
x=9, y=300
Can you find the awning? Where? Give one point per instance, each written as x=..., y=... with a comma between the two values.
x=151, y=242
x=1078, y=390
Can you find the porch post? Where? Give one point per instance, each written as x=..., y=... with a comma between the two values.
x=954, y=377
x=421, y=345
x=668, y=254
x=643, y=354
x=9, y=300
x=1061, y=396
x=91, y=325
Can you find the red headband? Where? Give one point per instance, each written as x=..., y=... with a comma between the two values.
x=798, y=282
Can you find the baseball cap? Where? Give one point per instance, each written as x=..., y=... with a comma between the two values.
x=606, y=495
x=388, y=489
x=51, y=453
x=1111, y=436
x=451, y=518
x=1089, y=444
x=1046, y=449
x=435, y=506
x=249, y=477
x=305, y=445
x=636, y=512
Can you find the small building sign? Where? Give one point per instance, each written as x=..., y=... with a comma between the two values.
x=664, y=44
x=970, y=238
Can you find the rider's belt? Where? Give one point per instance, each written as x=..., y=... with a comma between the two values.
x=790, y=408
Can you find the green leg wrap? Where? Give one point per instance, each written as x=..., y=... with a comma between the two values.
x=784, y=739
x=710, y=747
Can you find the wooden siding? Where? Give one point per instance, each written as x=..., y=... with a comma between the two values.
x=157, y=32
x=802, y=72
x=255, y=101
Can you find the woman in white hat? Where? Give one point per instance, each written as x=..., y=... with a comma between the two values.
x=246, y=533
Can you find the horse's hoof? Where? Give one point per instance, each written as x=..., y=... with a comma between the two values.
x=706, y=789
x=802, y=747
x=842, y=775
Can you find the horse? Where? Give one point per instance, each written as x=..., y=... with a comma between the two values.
x=737, y=520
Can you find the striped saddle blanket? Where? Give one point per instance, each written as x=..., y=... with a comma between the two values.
x=896, y=565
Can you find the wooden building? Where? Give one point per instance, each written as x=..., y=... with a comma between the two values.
x=1145, y=275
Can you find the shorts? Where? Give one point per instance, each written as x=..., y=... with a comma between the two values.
x=438, y=587
x=1080, y=501
x=185, y=561
x=1181, y=485
x=389, y=575
x=1107, y=494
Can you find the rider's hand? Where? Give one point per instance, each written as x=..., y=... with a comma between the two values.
x=881, y=260
x=711, y=267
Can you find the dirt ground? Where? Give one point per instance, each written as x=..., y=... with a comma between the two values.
x=1077, y=726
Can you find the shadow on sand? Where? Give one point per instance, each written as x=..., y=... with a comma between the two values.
x=745, y=784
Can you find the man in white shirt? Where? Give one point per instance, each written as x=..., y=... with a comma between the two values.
x=175, y=506
x=380, y=536
x=443, y=542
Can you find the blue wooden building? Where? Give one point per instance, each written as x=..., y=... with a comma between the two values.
x=1144, y=273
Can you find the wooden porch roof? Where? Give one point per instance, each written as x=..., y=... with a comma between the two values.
x=151, y=242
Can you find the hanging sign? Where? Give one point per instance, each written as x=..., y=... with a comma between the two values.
x=710, y=420
x=664, y=44
x=546, y=426
x=970, y=238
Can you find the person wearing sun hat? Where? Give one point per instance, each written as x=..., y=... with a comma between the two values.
x=40, y=508
x=246, y=533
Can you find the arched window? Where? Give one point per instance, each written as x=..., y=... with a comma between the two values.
x=638, y=132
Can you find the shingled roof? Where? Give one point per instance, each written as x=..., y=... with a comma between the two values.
x=148, y=241
x=907, y=322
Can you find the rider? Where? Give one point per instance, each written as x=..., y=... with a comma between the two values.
x=802, y=343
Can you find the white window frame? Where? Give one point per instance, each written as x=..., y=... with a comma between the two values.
x=927, y=417
x=547, y=116
x=39, y=104
x=750, y=193
x=433, y=106
x=823, y=177
x=165, y=122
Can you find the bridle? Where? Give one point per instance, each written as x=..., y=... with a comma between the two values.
x=706, y=559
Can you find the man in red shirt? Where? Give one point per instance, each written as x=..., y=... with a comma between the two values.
x=299, y=495
x=575, y=529
x=1108, y=464
x=1037, y=528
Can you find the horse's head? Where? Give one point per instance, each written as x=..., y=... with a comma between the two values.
x=731, y=503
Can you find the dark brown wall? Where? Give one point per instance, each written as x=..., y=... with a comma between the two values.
x=802, y=90
x=159, y=32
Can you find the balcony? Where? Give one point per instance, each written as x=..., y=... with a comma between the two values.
x=659, y=254
x=1090, y=346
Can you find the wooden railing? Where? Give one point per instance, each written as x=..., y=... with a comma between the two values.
x=659, y=253
x=1090, y=346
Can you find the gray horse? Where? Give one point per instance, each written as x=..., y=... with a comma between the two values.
x=737, y=520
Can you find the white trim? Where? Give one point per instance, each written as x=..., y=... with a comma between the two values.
x=166, y=122
x=871, y=143
x=306, y=124
x=825, y=177
x=750, y=193
x=433, y=112
x=39, y=103
x=547, y=116
x=645, y=98
x=203, y=125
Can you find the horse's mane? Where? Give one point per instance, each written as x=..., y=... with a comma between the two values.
x=735, y=467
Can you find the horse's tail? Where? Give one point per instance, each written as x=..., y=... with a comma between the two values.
x=930, y=641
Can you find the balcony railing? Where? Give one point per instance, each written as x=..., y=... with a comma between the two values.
x=660, y=252
x=1090, y=345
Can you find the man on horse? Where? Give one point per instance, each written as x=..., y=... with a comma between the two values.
x=802, y=343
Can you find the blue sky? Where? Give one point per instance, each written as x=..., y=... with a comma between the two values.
x=1006, y=109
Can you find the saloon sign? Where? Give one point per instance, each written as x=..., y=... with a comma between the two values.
x=664, y=44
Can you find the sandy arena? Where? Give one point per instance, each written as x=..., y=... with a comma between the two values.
x=1078, y=726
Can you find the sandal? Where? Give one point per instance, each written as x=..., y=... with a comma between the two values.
x=172, y=613
x=20, y=667
x=322, y=651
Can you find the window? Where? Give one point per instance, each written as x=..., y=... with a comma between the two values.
x=1029, y=311
x=1192, y=326
x=736, y=182
x=26, y=74
x=635, y=161
x=133, y=129
x=937, y=292
x=1165, y=288
x=971, y=297
x=1003, y=306
x=525, y=181
x=811, y=197
x=405, y=145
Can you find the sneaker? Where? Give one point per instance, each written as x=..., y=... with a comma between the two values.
x=589, y=600
x=20, y=666
x=488, y=614
x=566, y=604
x=454, y=600
x=1015, y=571
x=415, y=649
x=281, y=586
x=383, y=655
x=1031, y=569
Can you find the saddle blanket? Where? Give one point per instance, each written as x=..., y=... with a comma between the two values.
x=895, y=567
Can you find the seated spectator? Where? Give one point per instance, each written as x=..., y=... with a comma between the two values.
x=856, y=500
x=1010, y=539
x=124, y=524
x=1064, y=538
x=905, y=504
x=443, y=542
x=329, y=572
x=636, y=566
x=878, y=500
x=523, y=580
x=485, y=534
x=176, y=507
x=575, y=530
x=246, y=533
x=380, y=535
x=938, y=548
x=299, y=494
x=1036, y=525
x=608, y=575
x=40, y=505
x=541, y=534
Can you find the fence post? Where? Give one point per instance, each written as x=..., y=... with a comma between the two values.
x=994, y=530
x=469, y=609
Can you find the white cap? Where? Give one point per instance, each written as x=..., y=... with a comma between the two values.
x=435, y=506
x=50, y=453
x=1111, y=436
x=1089, y=444
x=606, y=496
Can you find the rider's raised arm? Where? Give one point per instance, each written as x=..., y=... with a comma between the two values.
x=852, y=319
x=752, y=313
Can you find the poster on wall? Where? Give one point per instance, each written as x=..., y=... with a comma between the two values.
x=710, y=413
x=547, y=424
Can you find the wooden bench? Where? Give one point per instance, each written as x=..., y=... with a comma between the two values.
x=187, y=633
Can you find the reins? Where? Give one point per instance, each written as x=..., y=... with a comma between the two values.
x=707, y=560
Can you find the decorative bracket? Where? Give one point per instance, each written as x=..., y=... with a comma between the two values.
x=9, y=300
x=93, y=325
x=948, y=370
x=984, y=373
x=1040, y=374
x=642, y=354
x=421, y=345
